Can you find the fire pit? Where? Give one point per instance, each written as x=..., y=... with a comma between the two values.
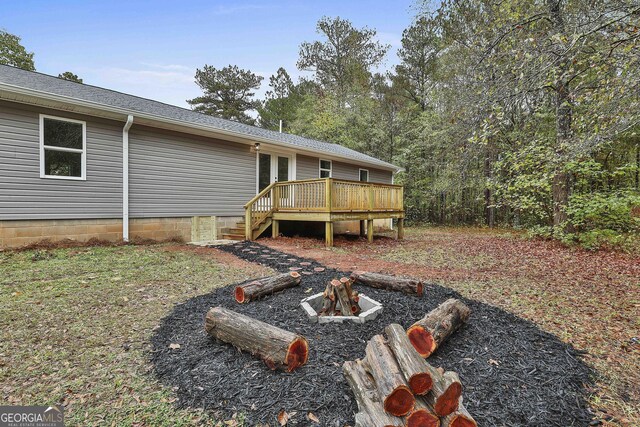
x=313, y=304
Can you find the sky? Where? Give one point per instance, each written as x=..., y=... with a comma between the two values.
x=152, y=48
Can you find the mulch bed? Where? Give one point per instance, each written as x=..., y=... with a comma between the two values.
x=513, y=373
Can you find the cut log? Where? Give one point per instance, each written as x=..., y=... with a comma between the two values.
x=445, y=394
x=384, y=281
x=371, y=413
x=329, y=301
x=393, y=391
x=459, y=418
x=428, y=333
x=267, y=286
x=417, y=372
x=422, y=415
x=343, y=298
x=278, y=348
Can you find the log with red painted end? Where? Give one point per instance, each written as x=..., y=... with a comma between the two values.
x=417, y=372
x=422, y=416
x=371, y=412
x=278, y=348
x=385, y=281
x=394, y=393
x=445, y=394
x=266, y=286
x=428, y=333
x=459, y=418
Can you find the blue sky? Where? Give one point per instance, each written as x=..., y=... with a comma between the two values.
x=152, y=48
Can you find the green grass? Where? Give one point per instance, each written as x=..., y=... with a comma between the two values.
x=76, y=325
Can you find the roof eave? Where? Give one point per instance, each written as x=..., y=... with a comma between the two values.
x=124, y=113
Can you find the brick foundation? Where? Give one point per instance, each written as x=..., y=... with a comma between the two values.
x=160, y=228
x=19, y=233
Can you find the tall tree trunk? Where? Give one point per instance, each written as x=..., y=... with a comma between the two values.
x=638, y=166
x=560, y=185
x=489, y=209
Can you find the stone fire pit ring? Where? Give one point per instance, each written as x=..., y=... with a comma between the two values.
x=313, y=304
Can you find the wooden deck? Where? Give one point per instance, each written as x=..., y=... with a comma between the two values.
x=327, y=200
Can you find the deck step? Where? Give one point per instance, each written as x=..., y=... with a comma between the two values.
x=233, y=230
x=227, y=236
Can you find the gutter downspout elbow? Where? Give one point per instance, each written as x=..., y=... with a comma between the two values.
x=125, y=178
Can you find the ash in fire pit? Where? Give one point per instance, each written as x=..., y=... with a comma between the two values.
x=370, y=309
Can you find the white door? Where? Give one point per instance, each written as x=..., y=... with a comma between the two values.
x=273, y=167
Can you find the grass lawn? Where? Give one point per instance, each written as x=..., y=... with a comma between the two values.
x=588, y=299
x=76, y=322
x=75, y=327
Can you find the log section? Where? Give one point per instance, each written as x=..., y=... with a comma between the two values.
x=278, y=348
x=267, y=286
x=394, y=393
x=428, y=333
x=384, y=281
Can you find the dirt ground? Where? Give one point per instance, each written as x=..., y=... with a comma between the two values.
x=588, y=299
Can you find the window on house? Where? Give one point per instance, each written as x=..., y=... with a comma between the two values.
x=62, y=148
x=325, y=168
x=364, y=175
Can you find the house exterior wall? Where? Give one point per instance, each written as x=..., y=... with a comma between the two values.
x=24, y=195
x=173, y=177
x=177, y=175
x=308, y=167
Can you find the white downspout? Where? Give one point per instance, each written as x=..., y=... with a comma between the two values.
x=125, y=178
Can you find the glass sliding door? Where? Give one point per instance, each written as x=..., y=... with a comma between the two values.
x=283, y=169
x=264, y=171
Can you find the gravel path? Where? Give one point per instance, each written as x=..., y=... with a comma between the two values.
x=513, y=373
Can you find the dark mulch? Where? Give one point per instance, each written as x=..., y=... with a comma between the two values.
x=514, y=374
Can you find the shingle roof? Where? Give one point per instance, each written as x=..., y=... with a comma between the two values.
x=83, y=92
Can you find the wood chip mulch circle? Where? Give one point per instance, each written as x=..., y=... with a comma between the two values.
x=514, y=374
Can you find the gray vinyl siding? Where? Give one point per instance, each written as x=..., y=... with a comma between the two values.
x=175, y=175
x=24, y=195
x=379, y=175
x=308, y=168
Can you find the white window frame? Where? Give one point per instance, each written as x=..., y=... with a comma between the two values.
x=368, y=175
x=320, y=168
x=83, y=151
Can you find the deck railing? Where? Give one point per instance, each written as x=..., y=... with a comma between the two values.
x=322, y=195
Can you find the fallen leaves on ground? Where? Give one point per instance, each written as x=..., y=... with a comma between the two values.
x=588, y=299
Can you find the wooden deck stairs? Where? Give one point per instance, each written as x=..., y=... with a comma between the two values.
x=327, y=200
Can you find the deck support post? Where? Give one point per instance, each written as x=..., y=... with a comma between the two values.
x=362, y=227
x=248, y=231
x=275, y=228
x=400, y=228
x=370, y=230
x=328, y=231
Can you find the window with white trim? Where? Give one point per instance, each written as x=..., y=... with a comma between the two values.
x=63, y=144
x=364, y=175
x=325, y=168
